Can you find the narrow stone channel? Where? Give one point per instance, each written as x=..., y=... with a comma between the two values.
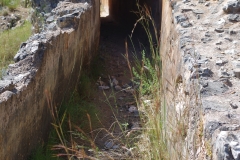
x=115, y=97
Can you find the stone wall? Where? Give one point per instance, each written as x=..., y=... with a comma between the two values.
x=178, y=92
x=50, y=62
x=199, y=48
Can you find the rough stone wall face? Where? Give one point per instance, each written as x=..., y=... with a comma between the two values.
x=172, y=67
x=201, y=38
x=169, y=46
x=180, y=93
x=49, y=61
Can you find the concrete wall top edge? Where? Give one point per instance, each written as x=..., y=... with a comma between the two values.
x=62, y=19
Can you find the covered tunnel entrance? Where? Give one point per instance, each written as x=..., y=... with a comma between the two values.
x=123, y=10
x=118, y=19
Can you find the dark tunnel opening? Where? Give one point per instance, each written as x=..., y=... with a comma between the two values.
x=119, y=18
x=122, y=11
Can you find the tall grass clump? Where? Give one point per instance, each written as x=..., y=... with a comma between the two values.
x=10, y=41
x=73, y=121
x=163, y=131
x=69, y=138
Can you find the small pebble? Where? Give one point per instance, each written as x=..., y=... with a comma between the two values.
x=109, y=144
x=219, y=30
x=114, y=81
x=219, y=43
x=136, y=113
x=132, y=109
x=118, y=88
x=219, y=62
x=103, y=87
x=120, y=98
x=237, y=72
x=130, y=91
x=234, y=105
x=115, y=147
x=207, y=4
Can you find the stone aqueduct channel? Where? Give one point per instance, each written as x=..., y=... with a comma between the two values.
x=199, y=49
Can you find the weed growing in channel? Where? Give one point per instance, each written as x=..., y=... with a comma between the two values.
x=68, y=140
x=164, y=131
x=72, y=122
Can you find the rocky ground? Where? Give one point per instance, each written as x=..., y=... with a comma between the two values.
x=209, y=39
x=14, y=18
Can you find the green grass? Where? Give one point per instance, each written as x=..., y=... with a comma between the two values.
x=10, y=41
x=11, y=4
x=77, y=111
x=73, y=120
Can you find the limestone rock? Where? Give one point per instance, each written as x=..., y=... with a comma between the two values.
x=214, y=88
x=181, y=18
x=232, y=6
x=6, y=85
x=115, y=81
x=50, y=19
x=103, y=87
x=227, y=145
x=186, y=24
x=234, y=104
x=52, y=26
x=6, y=95
x=28, y=49
x=219, y=62
x=132, y=109
x=66, y=21
x=237, y=72
x=219, y=30
x=117, y=88
x=110, y=144
x=210, y=127
x=234, y=18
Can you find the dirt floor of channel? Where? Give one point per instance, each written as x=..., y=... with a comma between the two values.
x=114, y=96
